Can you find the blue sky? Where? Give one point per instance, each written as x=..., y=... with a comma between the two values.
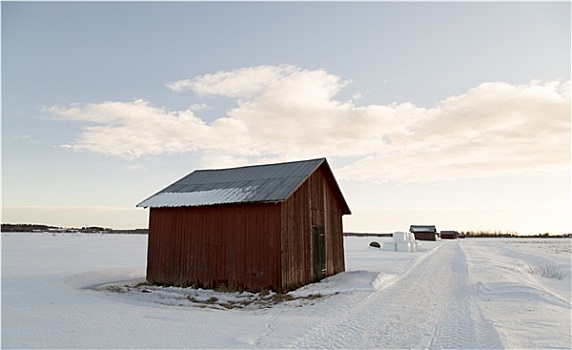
x=453, y=114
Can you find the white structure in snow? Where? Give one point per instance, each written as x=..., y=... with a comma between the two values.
x=402, y=242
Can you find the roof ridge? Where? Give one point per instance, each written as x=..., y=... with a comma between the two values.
x=263, y=165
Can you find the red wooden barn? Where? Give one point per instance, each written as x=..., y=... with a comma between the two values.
x=449, y=234
x=274, y=226
x=425, y=232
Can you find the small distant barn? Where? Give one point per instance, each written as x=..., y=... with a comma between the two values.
x=449, y=234
x=424, y=232
x=274, y=226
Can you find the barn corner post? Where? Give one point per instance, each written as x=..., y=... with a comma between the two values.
x=150, y=250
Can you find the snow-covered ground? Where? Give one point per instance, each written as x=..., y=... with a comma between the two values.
x=86, y=291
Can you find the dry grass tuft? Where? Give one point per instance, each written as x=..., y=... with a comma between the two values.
x=548, y=270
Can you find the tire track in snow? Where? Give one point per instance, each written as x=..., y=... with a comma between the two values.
x=430, y=306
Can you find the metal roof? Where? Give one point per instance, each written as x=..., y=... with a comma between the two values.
x=422, y=228
x=250, y=184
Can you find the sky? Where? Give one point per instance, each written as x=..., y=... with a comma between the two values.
x=447, y=113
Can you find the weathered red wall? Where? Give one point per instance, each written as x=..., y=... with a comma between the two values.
x=208, y=246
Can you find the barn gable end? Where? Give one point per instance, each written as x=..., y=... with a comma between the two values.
x=276, y=226
x=312, y=233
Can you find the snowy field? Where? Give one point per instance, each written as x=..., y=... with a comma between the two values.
x=88, y=291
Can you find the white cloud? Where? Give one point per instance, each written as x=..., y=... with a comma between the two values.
x=135, y=167
x=284, y=113
x=199, y=107
x=495, y=129
x=133, y=129
x=240, y=83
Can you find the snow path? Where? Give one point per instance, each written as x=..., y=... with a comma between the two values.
x=411, y=313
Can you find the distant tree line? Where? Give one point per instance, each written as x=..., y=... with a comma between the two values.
x=360, y=234
x=489, y=233
x=85, y=229
x=139, y=231
x=26, y=227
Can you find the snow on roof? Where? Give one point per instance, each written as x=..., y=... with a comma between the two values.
x=218, y=196
x=250, y=184
x=422, y=228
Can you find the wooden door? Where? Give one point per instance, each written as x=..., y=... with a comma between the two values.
x=319, y=252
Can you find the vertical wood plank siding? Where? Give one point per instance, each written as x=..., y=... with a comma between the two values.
x=235, y=245
x=249, y=246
